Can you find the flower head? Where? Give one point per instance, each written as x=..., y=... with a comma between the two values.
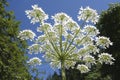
x=106, y=58
x=71, y=25
x=103, y=42
x=88, y=14
x=61, y=18
x=35, y=48
x=91, y=30
x=44, y=27
x=89, y=59
x=26, y=34
x=92, y=48
x=36, y=15
x=83, y=68
x=34, y=61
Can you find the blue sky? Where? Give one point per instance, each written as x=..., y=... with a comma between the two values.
x=51, y=7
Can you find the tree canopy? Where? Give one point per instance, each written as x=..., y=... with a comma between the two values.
x=12, y=50
x=109, y=25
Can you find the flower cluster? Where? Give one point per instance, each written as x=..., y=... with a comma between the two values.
x=34, y=61
x=103, y=42
x=26, y=34
x=36, y=15
x=88, y=14
x=83, y=68
x=106, y=58
x=91, y=30
x=61, y=18
x=89, y=59
x=35, y=48
x=65, y=42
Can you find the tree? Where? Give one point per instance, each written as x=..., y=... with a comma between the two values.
x=109, y=25
x=66, y=42
x=12, y=50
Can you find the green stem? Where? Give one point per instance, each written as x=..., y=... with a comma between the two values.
x=61, y=38
x=52, y=43
x=72, y=49
x=69, y=45
x=63, y=70
x=72, y=41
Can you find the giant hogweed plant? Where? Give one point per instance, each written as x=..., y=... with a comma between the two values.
x=65, y=43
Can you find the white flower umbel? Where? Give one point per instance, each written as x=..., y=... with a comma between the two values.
x=89, y=60
x=83, y=68
x=61, y=18
x=35, y=48
x=88, y=14
x=103, y=42
x=71, y=25
x=65, y=42
x=26, y=34
x=106, y=58
x=34, y=61
x=92, y=48
x=93, y=31
x=44, y=27
x=36, y=15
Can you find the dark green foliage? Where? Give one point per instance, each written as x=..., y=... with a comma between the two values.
x=74, y=74
x=12, y=50
x=95, y=74
x=109, y=25
x=55, y=76
x=71, y=74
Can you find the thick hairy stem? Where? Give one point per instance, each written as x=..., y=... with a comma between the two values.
x=63, y=71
